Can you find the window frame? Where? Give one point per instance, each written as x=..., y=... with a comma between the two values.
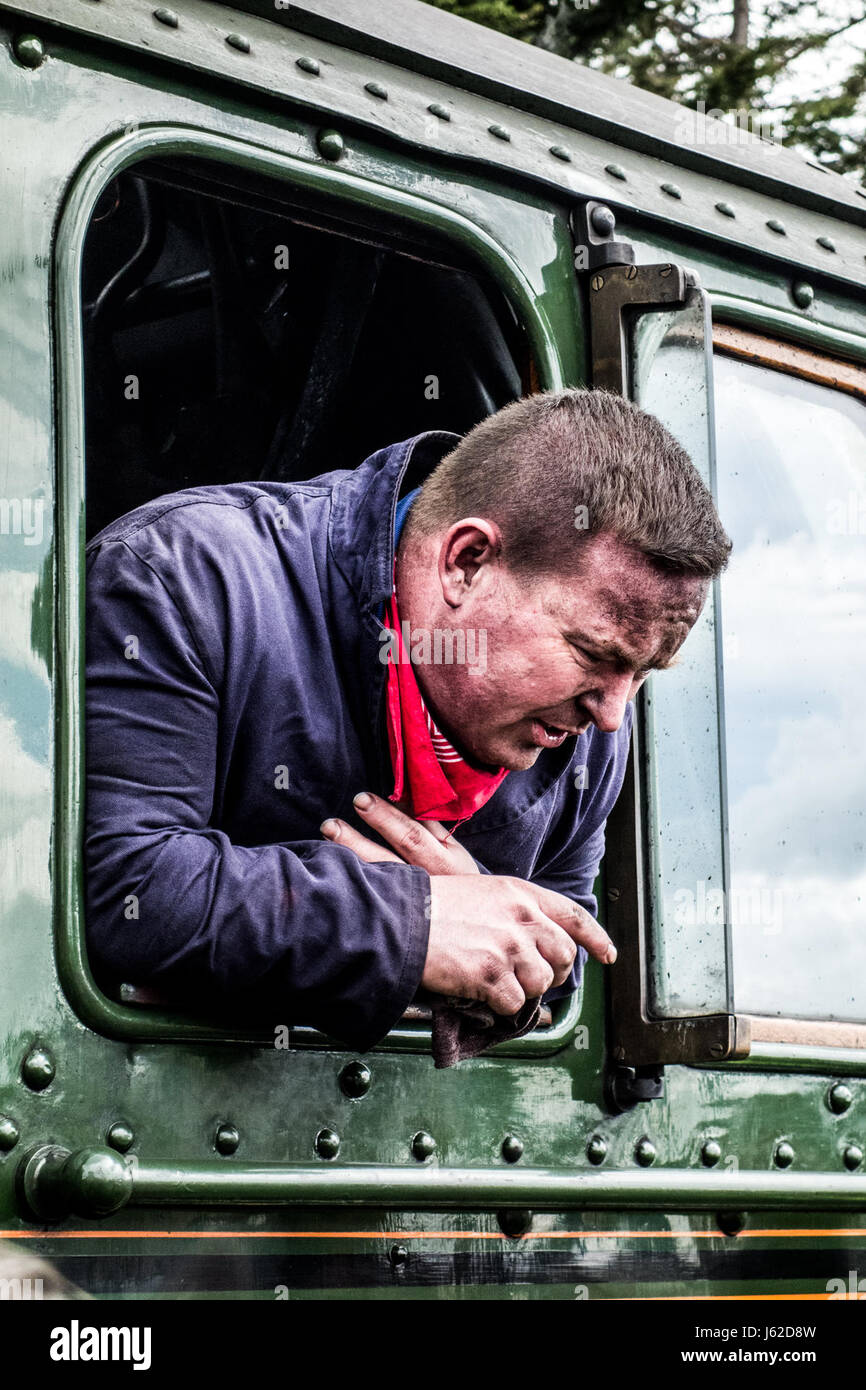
x=349, y=191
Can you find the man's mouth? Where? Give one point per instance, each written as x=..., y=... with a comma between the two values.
x=546, y=735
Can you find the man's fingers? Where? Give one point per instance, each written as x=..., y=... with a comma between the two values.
x=414, y=842
x=574, y=919
x=534, y=974
x=558, y=949
x=504, y=995
x=342, y=834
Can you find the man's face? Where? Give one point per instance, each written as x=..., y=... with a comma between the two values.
x=562, y=652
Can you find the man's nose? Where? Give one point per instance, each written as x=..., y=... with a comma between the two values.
x=606, y=703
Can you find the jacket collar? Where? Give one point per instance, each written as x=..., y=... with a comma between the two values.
x=364, y=502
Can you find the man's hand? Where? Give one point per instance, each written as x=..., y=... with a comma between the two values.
x=425, y=843
x=504, y=940
x=492, y=937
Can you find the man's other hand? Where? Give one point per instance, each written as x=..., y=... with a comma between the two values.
x=424, y=843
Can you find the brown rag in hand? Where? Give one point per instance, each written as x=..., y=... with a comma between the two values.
x=465, y=1027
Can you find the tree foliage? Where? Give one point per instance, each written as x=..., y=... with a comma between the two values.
x=722, y=55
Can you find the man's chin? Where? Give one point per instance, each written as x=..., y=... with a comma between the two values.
x=516, y=758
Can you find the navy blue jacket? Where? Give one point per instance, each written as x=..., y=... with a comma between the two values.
x=235, y=699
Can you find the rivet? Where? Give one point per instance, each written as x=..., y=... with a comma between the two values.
x=437, y=109
x=730, y=1223
x=423, y=1145
x=840, y=1098
x=616, y=171
x=827, y=242
x=327, y=1143
x=671, y=190
x=330, y=144
x=226, y=1139
x=376, y=90
x=725, y=209
x=499, y=131
x=597, y=283
x=596, y=1149
x=308, y=65
x=37, y=1069
x=560, y=152
x=776, y=226
x=398, y=1255
x=29, y=50
x=603, y=220
x=355, y=1079
x=711, y=1152
x=238, y=42
x=167, y=17
x=645, y=1153
x=802, y=294
x=852, y=1157
x=783, y=1155
x=514, y=1222
x=9, y=1133
x=512, y=1148
x=120, y=1137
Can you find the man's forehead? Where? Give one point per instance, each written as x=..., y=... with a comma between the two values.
x=647, y=614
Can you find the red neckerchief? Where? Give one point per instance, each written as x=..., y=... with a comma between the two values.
x=430, y=777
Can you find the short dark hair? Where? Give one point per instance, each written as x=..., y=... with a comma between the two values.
x=556, y=467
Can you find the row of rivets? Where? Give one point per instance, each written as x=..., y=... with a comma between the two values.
x=644, y=1152
x=30, y=52
x=616, y=171
x=327, y=1144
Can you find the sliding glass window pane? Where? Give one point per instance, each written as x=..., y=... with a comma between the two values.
x=792, y=493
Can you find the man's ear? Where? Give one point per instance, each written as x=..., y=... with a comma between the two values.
x=468, y=548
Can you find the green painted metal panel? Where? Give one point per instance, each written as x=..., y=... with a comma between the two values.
x=69, y=124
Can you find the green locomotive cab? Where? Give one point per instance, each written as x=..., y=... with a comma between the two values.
x=261, y=242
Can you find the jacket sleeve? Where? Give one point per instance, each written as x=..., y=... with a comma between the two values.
x=298, y=933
